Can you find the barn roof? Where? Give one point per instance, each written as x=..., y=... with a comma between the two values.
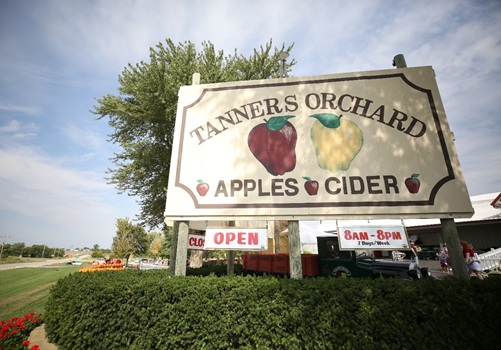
x=482, y=204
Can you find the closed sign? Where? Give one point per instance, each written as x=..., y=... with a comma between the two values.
x=196, y=242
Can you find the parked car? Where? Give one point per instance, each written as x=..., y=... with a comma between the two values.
x=73, y=262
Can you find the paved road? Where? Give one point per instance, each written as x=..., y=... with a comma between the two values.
x=31, y=264
x=434, y=267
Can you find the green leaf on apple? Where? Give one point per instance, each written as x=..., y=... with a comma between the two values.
x=277, y=123
x=328, y=120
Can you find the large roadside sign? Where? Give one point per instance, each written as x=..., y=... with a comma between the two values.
x=368, y=145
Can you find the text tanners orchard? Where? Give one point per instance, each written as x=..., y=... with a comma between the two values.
x=345, y=103
x=270, y=107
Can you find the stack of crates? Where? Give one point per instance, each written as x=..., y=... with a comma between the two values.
x=310, y=265
x=250, y=262
x=264, y=263
x=280, y=264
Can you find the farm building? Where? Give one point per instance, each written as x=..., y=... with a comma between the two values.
x=482, y=230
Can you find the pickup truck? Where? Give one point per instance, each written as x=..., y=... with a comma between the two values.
x=333, y=262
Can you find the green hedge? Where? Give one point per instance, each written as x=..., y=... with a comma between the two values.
x=150, y=310
x=214, y=269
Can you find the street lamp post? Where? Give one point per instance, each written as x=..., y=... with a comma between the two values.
x=283, y=57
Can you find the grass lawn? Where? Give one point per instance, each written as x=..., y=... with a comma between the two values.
x=26, y=289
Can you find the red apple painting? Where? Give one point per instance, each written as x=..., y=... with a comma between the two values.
x=202, y=188
x=311, y=186
x=273, y=143
x=412, y=183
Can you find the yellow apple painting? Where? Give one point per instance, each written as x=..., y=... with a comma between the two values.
x=337, y=141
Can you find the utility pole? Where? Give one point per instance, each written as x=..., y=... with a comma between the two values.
x=283, y=57
x=4, y=238
x=449, y=229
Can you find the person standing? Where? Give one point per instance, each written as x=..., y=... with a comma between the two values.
x=442, y=258
x=446, y=250
x=414, y=265
x=471, y=260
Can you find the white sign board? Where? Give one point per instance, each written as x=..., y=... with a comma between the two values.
x=236, y=239
x=367, y=145
x=376, y=237
x=196, y=242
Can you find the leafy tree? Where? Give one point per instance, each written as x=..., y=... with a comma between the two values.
x=143, y=114
x=130, y=239
x=36, y=251
x=96, y=252
x=15, y=249
x=157, y=241
x=166, y=248
x=58, y=252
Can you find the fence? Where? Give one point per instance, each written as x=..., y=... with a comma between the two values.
x=490, y=260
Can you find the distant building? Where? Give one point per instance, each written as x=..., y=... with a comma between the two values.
x=482, y=230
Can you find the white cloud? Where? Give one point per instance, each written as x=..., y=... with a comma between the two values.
x=28, y=110
x=85, y=137
x=34, y=185
x=14, y=130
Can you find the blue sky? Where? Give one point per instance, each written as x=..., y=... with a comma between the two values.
x=57, y=56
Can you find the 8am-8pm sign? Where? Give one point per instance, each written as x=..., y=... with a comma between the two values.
x=372, y=237
x=360, y=145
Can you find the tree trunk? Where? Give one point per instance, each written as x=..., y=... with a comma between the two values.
x=196, y=259
x=173, y=249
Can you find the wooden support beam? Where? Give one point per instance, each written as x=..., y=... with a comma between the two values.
x=182, y=248
x=296, y=269
x=173, y=249
x=450, y=233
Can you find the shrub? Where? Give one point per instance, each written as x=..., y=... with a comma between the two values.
x=217, y=270
x=150, y=310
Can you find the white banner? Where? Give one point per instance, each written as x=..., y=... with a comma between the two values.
x=196, y=242
x=372, y=237
x=236, y=239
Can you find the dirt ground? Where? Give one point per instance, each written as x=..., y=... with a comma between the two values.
x=37, y=337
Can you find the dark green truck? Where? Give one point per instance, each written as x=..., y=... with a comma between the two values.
x=333, y=262
x=360, y=263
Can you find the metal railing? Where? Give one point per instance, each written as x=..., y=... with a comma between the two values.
x=490, y=260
